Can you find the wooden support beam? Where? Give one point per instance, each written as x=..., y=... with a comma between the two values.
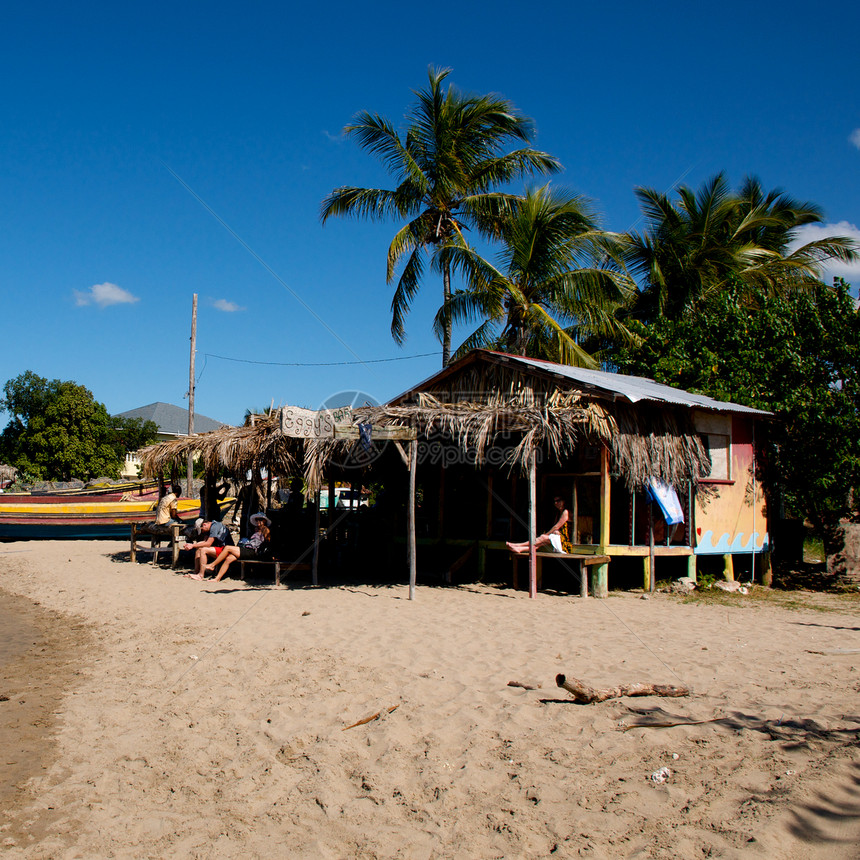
x=413, y=466
x=316, y=561
x=600, y=576
x=403, y=455
x=532, y=524
x=652, y=584
x=728, y=567
x=378, y=434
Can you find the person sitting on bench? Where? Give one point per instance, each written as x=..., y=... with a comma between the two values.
x=215, y=537
x=558, y=537
x=254, y=548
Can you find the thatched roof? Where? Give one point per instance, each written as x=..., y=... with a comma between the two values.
x=644, y=443
x=7, y=473
x=235, y=449
x=473, y=403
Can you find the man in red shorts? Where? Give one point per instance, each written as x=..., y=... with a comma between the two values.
x=214, y=537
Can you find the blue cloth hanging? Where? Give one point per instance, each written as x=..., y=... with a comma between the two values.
x=365, y=431
x=667, y=500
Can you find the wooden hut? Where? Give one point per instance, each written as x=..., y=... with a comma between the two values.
x=493, y=436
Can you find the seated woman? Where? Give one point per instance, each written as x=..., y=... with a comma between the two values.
x=558, y=537
x=253, y=548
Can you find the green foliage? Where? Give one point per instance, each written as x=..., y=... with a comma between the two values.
x=445, y=166
x=58, y=431
x=702, y=242
x=132, y=434
x=796, y=355
x=559, y=278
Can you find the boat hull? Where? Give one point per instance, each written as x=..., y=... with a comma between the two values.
x=86, y=520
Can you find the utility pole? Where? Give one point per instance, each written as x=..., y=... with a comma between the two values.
x=190, y=475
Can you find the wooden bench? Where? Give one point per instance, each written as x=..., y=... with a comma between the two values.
x=279, y=566
x=173, y=542
x=585, y=560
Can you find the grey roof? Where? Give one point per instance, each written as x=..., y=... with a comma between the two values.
x=632, y=388
x=172, y=420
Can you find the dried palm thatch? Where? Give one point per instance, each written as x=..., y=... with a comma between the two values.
x=7, y=473
x=644, y=442
x=234, y=449
x=476, y=408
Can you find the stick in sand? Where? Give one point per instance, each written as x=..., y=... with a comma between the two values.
x=586, y=695
x=370, y=719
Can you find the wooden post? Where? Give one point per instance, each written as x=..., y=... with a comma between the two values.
x=728, y=567
x=488, y=527
x=652, y=576
x=441, y=509
x=190, y=465
x=646, y=572
x=691, y=566
x=532, y=525
x=315, y=563
x=413, y=466
x=600, y=581
x=766, y=569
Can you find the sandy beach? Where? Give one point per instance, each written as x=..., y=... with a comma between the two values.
x=147, y=715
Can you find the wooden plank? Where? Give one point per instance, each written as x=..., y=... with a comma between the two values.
x=378, y=434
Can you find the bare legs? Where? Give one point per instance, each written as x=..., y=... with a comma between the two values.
x=541, y=540
x=201, y=556
x=228, y=555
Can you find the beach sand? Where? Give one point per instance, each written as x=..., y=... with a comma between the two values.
x=182, y=719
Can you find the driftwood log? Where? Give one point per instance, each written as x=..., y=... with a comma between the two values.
x=585, y=694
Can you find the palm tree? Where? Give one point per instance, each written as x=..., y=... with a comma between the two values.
x=558, y=280
x=446, y=165
x=700, y=243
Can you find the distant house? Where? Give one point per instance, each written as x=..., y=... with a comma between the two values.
x=172, y=422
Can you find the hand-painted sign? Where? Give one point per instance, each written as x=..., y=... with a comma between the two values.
x=307, y=424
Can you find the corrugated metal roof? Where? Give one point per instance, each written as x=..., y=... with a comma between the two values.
x=172, y=420
x=632, y=388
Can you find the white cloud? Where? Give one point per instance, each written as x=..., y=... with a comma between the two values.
x=104, y=295
x=854, y=137
x=339, y=138
x=811, y=232
x=229, y=307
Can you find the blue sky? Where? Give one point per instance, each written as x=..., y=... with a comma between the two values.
x=132, y=134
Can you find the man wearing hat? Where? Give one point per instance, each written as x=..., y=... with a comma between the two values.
x=214, y=537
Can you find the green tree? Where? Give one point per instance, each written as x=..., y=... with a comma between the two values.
x=447, y=164
x=57, y=430
x=795, y=355
x=131, y=434
x=700, y=243
x=558, y=280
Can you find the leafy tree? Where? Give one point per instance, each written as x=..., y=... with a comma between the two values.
x=699, y=244
x=447, y=164
x=131, y=434
x=57, y=430
x=554, y=284
x=796, y=355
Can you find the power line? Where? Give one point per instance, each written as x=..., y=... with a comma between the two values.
x=318, y=363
